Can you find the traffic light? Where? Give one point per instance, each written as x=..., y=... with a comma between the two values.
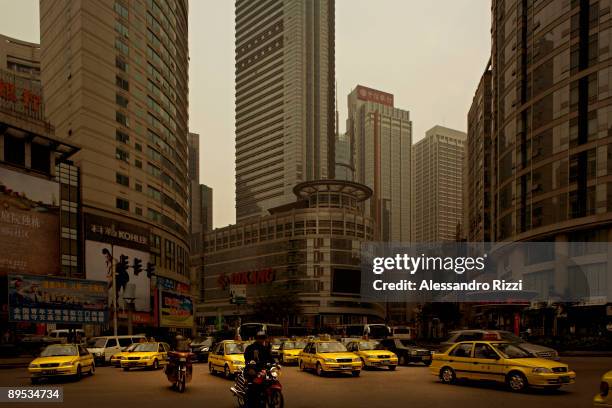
x=150, y=269
x=137, y=266
x=121, y=272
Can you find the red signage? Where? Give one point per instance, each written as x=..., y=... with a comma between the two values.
x=372, y=95
x=265, y=275
x=29, y=100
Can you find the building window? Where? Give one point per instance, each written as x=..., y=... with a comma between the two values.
x=154, y=215
x=138, y=163
x=121, y=28
x=121, y=64
x=123, y=179
x=122, y=137
x=154, y=193
x=122, y=155
x=14, y=150
x=138, y=187
x=41, y=158
x=122, y=83
x=123, y=204
x=138, y=147
x=121, y=46
x=122, y=119
x=121, y=100
x=121, y=10
x=138, y=211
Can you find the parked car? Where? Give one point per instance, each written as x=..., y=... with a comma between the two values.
x=502, y=362
x=407, y=351
x=60, y=360
x=201, y=346
x=373, y=354
x=501, y=335
x=104, y=347
x=61, y=335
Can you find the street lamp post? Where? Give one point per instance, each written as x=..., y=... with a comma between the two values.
x=130, y=297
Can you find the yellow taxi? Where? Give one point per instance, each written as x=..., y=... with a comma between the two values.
x=115, y=359
x=290, y=350
x=502, y=362
x=227, y=357
x=151, y=355
x=62, y=360
x=373, y=354
x=604, y=398
x=329, y=356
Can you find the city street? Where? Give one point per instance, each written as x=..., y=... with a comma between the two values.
x=408, y=386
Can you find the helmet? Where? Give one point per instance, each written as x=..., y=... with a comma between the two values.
x=261, y=335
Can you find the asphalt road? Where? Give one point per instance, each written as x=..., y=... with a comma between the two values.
x=407, y=386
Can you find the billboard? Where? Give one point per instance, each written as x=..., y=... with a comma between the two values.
x=175, y=310
x=131, y=283
x=29, y=224
x=372, y=95
x=43, y=299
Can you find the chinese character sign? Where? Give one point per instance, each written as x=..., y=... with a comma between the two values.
x=41, y=299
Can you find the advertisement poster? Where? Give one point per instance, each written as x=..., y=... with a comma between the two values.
x=175, y=310
x=130, y=283
x=29, y=224
x=42, y=299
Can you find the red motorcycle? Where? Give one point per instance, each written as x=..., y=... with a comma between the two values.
x=262, y=386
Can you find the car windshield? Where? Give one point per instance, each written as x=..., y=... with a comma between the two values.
x=511, y=351
x=59, y=350
x=330, y=347
x=97, y=343
x=507, y=336
x=131, y=347
x=146, y=347
x=293, y=345
x=369, y=345
x=234, y=348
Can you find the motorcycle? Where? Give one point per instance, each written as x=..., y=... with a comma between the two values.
x=179, y=369
x=268, y=390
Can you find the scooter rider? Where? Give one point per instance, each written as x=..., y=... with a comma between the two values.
x=260, y=353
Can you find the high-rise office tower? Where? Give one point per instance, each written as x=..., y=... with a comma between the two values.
x=285, y=126
x=552, y=122
x=115, y=80
x=381, y=135
x=344, y=158
x=437, y=192
x=477, y=172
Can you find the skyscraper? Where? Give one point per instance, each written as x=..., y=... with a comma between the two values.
x=285, y=125
x=551, y=121
x=437, y=192
x=381, y=135
x=115, y=75
x=344, y=160
x=477, y=205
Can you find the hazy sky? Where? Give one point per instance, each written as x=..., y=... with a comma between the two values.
x=429, y=54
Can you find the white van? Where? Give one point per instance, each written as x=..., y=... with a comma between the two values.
x=104, y=347
x=61, y=335
x=403, y=332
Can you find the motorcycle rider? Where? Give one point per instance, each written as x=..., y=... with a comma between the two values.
x=260, y=353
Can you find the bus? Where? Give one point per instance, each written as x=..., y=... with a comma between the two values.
x=372, y=330
x=247, y=331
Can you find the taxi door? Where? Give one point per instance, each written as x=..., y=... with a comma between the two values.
x=460, y=359
x=213, y=357
x=163, y=352
x=85, y=358
x=308, y=355
x=487, y=363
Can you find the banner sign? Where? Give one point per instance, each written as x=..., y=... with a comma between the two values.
x=45, y=299
x=102, y=229
x=176, y=310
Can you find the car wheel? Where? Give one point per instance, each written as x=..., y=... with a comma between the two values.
x=516, y=381
x=210, y=368
x=79, y=373
x=226, y=372
x=356, y=373
x=392, y=368
x=92, y=369
x=34, y=381
x=319, y=370
x=402, y=360
x=155, y=364
x=427, y=363
x=447, y=375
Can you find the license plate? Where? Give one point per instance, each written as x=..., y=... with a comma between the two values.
x=564, y=379
x=426, y=357
x=345, y=366
x=49, y=372
x=385, y=362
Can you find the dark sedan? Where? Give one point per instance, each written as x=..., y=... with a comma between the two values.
x=407, y=351
x=201, y=347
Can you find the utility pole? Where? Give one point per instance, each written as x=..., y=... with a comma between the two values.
x=114, y=291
